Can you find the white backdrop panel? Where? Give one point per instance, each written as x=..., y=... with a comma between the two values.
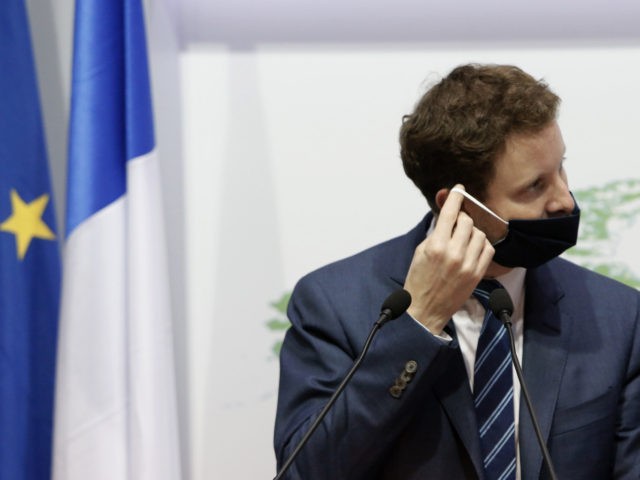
x=292, y=161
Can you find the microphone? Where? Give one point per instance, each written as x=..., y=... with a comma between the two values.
x=502, y=307
x=394, y=306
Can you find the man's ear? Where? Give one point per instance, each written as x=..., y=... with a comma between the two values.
x=441, y=197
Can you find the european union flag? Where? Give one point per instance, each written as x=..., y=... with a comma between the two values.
x=29, y=259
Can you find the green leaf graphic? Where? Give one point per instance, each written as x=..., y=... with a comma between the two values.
x=606, y=211
x=280, y=323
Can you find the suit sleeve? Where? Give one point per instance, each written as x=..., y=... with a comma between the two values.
x=330, y=322
x=627, y=446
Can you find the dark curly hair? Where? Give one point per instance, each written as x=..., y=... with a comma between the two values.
x=460, y=126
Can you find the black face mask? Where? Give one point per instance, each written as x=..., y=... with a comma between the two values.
x=530, y=243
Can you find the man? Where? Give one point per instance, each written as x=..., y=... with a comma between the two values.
x=484, y=148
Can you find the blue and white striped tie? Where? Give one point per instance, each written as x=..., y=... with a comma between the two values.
x=493, y=393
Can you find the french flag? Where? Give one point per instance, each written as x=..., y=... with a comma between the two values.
x=115, y=402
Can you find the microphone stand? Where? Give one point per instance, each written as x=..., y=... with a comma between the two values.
x=332, y=400
x=506, y=320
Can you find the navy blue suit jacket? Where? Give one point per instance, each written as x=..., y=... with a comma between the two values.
x=581, y=362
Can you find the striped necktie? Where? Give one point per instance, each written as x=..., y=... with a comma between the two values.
x=493, y=393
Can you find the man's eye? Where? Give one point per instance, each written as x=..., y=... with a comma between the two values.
x=537, y=185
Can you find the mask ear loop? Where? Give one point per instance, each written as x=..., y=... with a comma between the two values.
x=479, y=204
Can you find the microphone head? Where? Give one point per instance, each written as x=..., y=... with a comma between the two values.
x=500, y=301
x=396, y=304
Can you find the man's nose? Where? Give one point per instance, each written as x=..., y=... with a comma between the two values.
x=562, y=202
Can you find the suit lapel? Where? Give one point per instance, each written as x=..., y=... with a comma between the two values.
x=546, y=333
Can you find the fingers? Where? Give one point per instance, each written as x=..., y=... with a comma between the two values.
x=467, y=253
x=448, y=215
x=479, y=254
x=453, y=233
x=453, y=223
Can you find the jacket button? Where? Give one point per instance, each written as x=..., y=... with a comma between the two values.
x=411, y=366
x=406, y=377
x=395, y=391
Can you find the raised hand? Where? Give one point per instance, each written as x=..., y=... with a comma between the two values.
x=447, y=266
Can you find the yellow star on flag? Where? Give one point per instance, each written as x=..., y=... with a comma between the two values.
x=26, y=222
